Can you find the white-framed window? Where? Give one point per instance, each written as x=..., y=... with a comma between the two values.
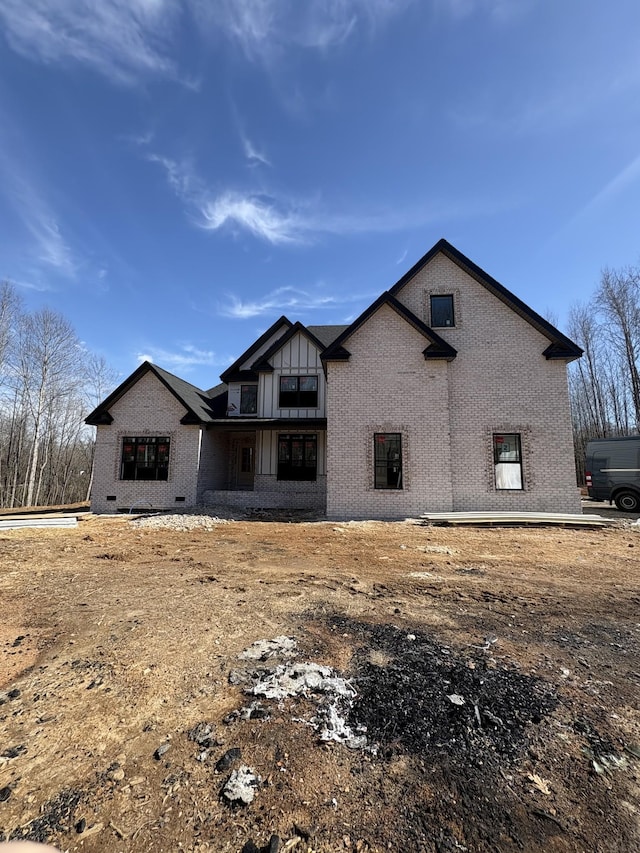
x=507, y=461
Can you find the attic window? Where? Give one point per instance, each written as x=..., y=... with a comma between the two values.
x=442, y=315
x=145, y=458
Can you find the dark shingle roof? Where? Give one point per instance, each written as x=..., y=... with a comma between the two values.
x=233, y=372
x=197, y=403
x=326, y=334
x=436, y=348
x=560, y=347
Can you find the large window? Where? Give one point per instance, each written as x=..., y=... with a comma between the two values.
x=442, y=311
x=298, y=392
x=388, y=460
x=145, y=458
x=297, y=457
x=507, y=460
x=248, y=399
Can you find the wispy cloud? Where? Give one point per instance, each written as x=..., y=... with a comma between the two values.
x=132, y=40
x=123, y=39
x=625, y=178
x=286, y=299
x=260, y=215
x=252, y=154
x=281, y=220
x=49, y=250
x=185, y=357
x=264, y=28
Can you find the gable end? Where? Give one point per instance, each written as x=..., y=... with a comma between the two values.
x=561, y=346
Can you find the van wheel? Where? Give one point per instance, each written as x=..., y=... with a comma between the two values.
x=627, y=501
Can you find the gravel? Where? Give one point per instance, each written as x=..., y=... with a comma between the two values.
x=200, y=519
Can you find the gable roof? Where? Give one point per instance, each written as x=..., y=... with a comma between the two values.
x=326, y=334
x=194, y=400
x=436, y=348
x=234, y=373
x=561, y=347
x=263, y=365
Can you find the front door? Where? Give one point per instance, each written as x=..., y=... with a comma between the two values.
x=246, y=462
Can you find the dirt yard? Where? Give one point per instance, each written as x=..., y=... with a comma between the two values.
x=479, y=692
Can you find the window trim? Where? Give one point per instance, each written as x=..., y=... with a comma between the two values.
x=284, y=468
x=161, y=471
x=519, y=461
x=298, y=402
x=376, y=465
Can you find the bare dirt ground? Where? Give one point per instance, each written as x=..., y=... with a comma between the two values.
x=496, y=673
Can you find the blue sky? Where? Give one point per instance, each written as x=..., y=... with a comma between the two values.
x=175, y=174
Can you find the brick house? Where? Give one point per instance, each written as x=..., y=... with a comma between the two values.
x=448, y=393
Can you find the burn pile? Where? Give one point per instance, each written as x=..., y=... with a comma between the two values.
x=417, y=696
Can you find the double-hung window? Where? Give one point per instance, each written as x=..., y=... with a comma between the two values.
x=298, y=392
x=145, y=458
x=387, y=452
x=297, y=457
x=507, y=461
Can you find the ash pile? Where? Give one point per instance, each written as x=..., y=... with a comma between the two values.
x=277, y=675
x=418, y=696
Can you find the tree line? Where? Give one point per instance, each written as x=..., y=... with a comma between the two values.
x=605, y=383
x=48, y=384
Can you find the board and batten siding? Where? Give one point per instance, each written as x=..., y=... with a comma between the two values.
x=298, y=357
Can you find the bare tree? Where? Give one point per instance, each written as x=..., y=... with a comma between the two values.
x=48, y=366
x=618, y=301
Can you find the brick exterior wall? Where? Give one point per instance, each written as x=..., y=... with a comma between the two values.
x=387, y=386
x=447, y=413
x=147, y=409
x=214, y=462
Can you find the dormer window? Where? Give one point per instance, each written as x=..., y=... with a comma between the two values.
x=442, y=315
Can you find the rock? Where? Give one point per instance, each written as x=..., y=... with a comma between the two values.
x=81, y=825
x=265, y=649
x=241, y=785
x=230, y=757
x=231, y=717
x=160, y=751
x=274, y=844
x=13, y=751
x=5, y=793
x=118, y=775
x=250, y=847
x=302, y=831
x=13, y=694
x=202, y=734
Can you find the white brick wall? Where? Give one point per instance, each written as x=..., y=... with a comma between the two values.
x=387, y=386
x=499, y=382
x=146, y=409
